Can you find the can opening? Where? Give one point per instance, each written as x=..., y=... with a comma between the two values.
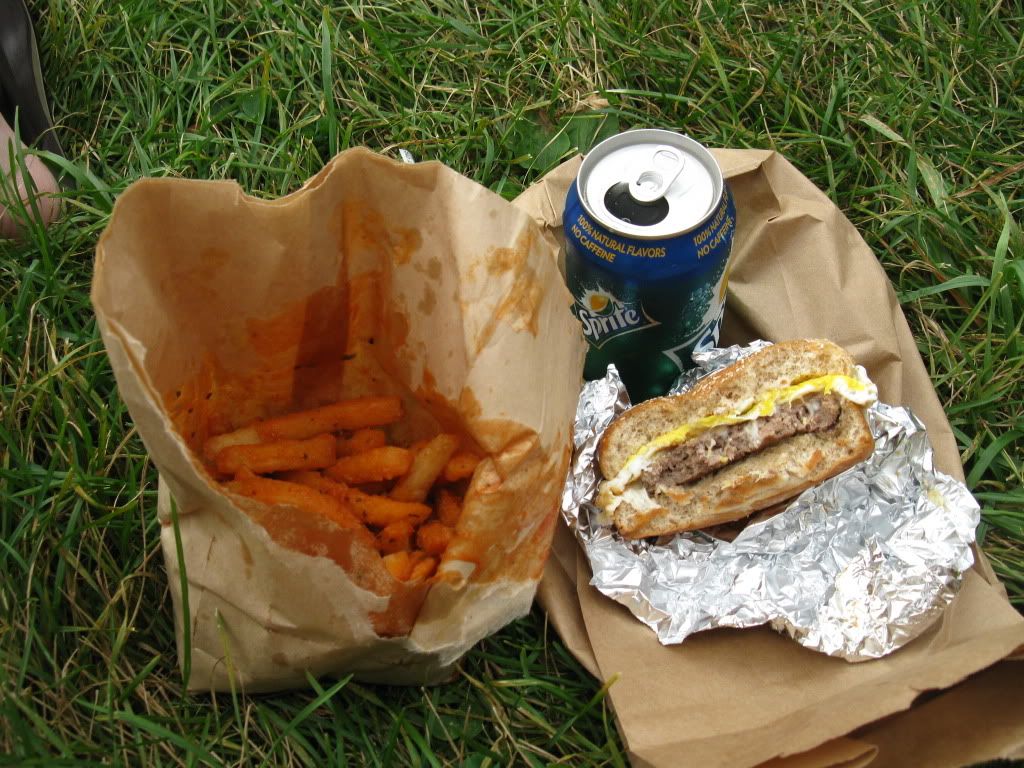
x=620, y=203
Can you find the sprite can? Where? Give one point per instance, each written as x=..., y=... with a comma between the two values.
x=649, y=226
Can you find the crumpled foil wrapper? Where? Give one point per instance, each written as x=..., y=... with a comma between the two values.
x=855, y=567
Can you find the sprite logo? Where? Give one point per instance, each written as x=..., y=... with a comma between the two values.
x=604, y=317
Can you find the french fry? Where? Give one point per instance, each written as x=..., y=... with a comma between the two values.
x=427, y=465
x=337, y=491
x=449, y=508
x=371, y=466
x=378, y=511
x=278, y=456
x=357, y=413
x=396, y=537
x=460, y=466
x=399, y=565
x=294, y=495
x=360, y=441
x=434, y=537
x=244, y=436
x=424, y=569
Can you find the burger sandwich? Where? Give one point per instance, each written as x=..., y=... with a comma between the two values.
x=743, y=439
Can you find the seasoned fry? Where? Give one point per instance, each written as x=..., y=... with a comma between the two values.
x=357, y=413
x=244, y=436
x=449, y=508
x=360, y=441
x=424, y=569
x=396, y=537
x=399, y=565
x=427, y=465
x=460, y=466
x=434, y=537
x=338, y=491
x=371, y=466
x=278, y=456
x=294, y=495
x=380, y=511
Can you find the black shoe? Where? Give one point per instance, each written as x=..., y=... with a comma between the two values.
x=21, y=80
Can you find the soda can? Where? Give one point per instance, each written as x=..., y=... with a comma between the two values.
x=649, y=226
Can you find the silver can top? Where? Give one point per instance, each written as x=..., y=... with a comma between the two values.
x=649, y=183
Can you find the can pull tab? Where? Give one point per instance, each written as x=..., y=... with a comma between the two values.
x=653, y=182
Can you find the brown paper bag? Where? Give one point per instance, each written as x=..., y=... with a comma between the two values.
x=217, y=308
x=736, y=698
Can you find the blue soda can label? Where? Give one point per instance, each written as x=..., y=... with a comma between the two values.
x=649, y=226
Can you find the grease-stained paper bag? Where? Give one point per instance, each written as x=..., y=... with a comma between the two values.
x=736, y=698
x=375, y=278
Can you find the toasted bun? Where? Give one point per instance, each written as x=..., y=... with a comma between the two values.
x=771, y=475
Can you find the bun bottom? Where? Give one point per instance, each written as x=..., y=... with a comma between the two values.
x=772, y=475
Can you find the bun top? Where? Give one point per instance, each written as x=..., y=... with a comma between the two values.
x=723, y=392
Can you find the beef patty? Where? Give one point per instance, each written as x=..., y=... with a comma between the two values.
x=722, y=445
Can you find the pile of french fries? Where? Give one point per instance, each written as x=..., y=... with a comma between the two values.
x=335, y=461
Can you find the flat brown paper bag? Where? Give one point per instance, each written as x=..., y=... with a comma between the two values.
x=375, y=278
x=736, y=698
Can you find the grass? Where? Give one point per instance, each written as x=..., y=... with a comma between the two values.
x=908, y=114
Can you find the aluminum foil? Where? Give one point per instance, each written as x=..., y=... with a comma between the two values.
x=855, y=567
